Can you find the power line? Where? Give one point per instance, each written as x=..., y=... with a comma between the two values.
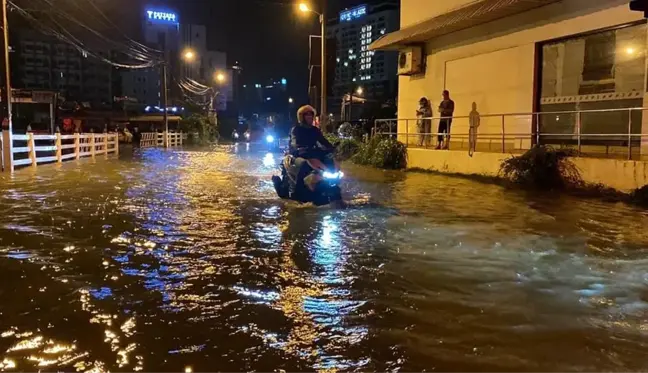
x=67, y=37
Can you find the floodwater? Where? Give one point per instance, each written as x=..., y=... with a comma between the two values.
x=186, y=261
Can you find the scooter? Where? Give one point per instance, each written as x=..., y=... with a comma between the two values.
x=319, y=187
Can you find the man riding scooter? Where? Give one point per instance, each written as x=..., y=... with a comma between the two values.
x=306, y=141
x=309, y=172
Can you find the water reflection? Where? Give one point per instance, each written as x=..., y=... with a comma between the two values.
x=186, y=261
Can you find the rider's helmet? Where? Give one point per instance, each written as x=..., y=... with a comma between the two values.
x=303, y=110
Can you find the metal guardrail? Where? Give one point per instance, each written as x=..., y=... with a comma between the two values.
x=518, y=132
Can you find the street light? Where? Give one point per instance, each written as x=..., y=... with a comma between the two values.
x=290, y=100
x=188, y=55
x=322, y=18
x=220, y=77
x=359, y=91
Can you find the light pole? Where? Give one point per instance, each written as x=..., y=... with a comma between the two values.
x=322, y=18
x=165, y=104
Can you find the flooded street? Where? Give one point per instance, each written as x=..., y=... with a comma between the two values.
x=187, y=260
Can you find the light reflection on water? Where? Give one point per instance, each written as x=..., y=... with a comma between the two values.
x=186, y=260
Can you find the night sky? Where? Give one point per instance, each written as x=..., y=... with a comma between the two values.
x=269, y=38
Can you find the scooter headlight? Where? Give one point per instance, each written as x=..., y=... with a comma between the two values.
x=333, y=175
x=236, y=135
x=269, y=138
x=247, y=135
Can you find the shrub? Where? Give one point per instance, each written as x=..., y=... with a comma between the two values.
x=381, y=152
x=640, y=196
x=198, y=123
x=542, y=167
x=332, y=138
x=347, y=148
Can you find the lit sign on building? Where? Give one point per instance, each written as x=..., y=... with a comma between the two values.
x=165, y=17
x=355, y=13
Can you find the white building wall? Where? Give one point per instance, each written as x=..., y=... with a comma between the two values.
x=493, y=64
x=415, y=11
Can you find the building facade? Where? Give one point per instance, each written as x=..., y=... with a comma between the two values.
x=43, y=62
x=161, y=31
x=207, y=64
x=355, y=65
x=521, y=57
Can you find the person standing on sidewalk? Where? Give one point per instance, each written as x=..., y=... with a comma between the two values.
x=424, y=124
x=446, y=109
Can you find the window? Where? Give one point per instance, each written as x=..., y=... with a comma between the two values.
x=599, y=56
x=602, y=70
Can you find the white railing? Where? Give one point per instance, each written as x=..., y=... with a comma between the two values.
x=150, y=139
x=608, y=132
x=34, y=149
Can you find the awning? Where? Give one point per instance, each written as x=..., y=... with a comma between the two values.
x=473, y=14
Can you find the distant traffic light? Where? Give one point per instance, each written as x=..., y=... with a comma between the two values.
x=639, y=6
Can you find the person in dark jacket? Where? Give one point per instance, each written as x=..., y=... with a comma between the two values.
x=306, y=140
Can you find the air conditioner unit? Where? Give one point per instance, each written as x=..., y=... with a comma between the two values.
x=410, y=61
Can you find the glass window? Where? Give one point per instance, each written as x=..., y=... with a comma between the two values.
x=603, y=70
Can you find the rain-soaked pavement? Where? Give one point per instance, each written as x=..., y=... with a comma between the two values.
x=186, y=260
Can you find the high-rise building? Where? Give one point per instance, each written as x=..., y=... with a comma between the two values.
x=162, y=30
x=357, y=67
x=207, y=65
x=43, y=62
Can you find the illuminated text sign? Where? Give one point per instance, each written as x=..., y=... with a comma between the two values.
x=162, y=16
x=355, y=13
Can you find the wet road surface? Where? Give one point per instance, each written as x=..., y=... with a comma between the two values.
x=186, y=260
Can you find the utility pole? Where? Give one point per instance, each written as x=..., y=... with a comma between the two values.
x=323, y=114
x=165, y=104
x=7, y=139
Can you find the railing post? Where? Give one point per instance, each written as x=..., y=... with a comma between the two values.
x=7, y=151
x=504, y=135
x=77, y=146
x=537, y=129
x=406, y=132
x=578, y=131
x=629, y=134
x=181, y=138
x=31, y=144
x=116, y=144
x=105, y=145
x=92, y=145
x=59, y=151
x=165, y=139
